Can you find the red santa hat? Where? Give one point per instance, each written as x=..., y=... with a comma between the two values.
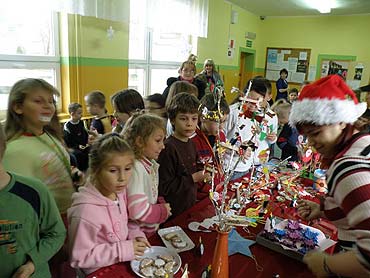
x=327, y=101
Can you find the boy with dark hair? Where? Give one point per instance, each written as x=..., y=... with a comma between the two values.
x=31, y=229
x=292, y=95
x=76, y=136
x=95, y=103
x=177, y=172
x=205, y=138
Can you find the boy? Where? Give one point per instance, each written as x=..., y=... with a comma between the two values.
x=95, y=102
x=257, y=125
x=293, y=95
x=177, y=171
x=205, y=139
x=31, y=229
x=76, y=136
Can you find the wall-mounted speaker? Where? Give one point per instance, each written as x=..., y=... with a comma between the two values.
x=250, y=35
x=234, y=17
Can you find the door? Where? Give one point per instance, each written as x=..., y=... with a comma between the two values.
x=245, y=69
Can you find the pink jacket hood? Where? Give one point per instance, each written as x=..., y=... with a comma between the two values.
x=99, y=232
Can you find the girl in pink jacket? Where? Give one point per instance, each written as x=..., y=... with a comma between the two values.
x=99, y=231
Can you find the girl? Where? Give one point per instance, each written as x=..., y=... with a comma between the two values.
x=99, y=232
x=325, y=112
x=124, y=104
x=145, y=134
x=187, y=73
x=34, y=133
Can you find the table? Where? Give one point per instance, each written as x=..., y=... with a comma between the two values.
x=239, y=265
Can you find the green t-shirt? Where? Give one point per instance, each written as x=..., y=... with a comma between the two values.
x=30, y=226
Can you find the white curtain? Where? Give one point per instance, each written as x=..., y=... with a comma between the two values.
x=179, y=16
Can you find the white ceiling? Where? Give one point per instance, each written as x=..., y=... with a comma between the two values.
x=301, y=7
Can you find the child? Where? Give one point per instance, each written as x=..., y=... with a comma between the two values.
x=33, y=132
x=292, y=95
x=95, y=102
x=187, y=73
x=205, y=138
x=325, y=112
x=257, y=126
x=155, y=104
x=145, y=134
x=288, y=138
x=282, y=85
x=99, y=231
x=31, y=230
x=177, y=171
x=76, y=136
x=125, y=103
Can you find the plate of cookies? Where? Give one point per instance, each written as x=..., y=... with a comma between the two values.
x=176, y=239
x=157, y=261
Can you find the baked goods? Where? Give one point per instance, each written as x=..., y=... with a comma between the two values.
x=157, y=267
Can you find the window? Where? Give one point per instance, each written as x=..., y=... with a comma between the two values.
x=29, y=47
x=154, y=56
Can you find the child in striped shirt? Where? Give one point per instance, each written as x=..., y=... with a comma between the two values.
x=325, y=112
x=146, y=133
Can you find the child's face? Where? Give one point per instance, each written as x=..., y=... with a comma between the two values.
x=37, y=109
x=76, y=116
x=293, y=97
x=187, y=72
x=92, y=109
x=185, y=125
x=154, y=144
x=115, y=174
x=121, y=117
x=324, y=138
x=254, y=96
x=212, y=127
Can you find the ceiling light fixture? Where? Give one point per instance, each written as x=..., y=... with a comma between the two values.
x=323, y=6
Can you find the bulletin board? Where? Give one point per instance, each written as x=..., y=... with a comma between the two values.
x=295, y=60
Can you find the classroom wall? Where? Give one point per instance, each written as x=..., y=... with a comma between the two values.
x=89, y=60
x=329, y=35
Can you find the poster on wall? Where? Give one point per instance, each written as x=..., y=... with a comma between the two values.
x=358, y=72
x=302, y=66
x=335, y=67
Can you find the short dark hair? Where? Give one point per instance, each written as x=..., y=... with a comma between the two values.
x=128, y=101
x=96, y=97
x=157, y=98
x=182, y=103
x=283, y=71
x=293, y=90
x=258, y=85
x=73, y=107
x=210, y=102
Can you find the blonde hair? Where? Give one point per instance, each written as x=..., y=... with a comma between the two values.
x=14, y=125
x=282, y=108
x=96, y=98
x=141, y=126
x=209, y=62
x=103, y=148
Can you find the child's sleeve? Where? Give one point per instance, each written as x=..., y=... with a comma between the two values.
x=85, y=252
x=52, y=230
x=134, y=230
x=283, y=137
x=173, y=177
x=139, y=207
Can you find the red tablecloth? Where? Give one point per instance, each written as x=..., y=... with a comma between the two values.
x=272, y=262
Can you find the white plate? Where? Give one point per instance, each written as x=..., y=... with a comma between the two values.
x=180, y=232
x=153, y=252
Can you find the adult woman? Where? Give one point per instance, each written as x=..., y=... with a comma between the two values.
x=210, y=75
x=325, y=112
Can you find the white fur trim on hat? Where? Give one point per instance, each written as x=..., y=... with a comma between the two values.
x=324, y=111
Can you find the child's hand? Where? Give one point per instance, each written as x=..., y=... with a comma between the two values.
x=25, y=271
x=168, y=208
x=78, y=177
x=201, y=176
x=271, y=136
x=308, y=210
x=140, y=244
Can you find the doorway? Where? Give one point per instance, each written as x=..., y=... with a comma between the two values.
x=246, y=67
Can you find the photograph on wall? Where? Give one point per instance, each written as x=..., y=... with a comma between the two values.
x=302, y=66
x=358, y=74
x=334, y=67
